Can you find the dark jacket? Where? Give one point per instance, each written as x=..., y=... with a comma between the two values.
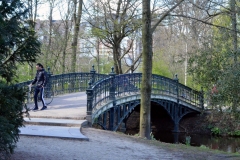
x=40, y=78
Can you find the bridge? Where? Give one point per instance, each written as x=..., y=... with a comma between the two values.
x=112, y=98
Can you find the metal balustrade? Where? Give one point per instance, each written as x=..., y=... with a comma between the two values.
x=118, y=86
x=67, y=83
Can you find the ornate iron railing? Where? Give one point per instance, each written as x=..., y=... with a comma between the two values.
x=119, y=86
x=171, y=87
x=68, y=83
x=25, y=86
x=72, y=82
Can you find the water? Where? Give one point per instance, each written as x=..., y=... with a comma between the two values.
x=227, y=144
x=162, y=125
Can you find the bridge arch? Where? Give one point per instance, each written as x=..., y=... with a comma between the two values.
x=107, y=96
x=111, y=117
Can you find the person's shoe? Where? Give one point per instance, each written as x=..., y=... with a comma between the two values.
x=44, y=107
x=35, y=109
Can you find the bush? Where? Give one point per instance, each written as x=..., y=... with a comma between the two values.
x=11, y=117
x=235, y=133
x=215, y=131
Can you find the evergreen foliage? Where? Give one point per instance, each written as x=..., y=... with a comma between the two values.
x=18, y=45
x=18, y=42
x=11, y=117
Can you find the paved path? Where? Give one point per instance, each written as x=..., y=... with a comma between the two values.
x=63, y=118
x=72, y=106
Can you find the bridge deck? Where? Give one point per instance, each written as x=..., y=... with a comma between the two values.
x=69, y=106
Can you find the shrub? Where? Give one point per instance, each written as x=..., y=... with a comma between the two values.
x=11, y=117
x=215, y=131
x=235, y=133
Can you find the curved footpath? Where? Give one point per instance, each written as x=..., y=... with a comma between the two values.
x=60, y=133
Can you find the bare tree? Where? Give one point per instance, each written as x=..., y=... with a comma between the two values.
x=66, y=19
x=178, y=36
x=113, y=23
x=77, y=19
x=145, y=109
x=52, y=4
x=33, y=10
x=147, y=31
x=33, y=6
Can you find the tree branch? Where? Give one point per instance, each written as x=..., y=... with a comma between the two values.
x=204, y=21
x=134, y=63
x=165, y=15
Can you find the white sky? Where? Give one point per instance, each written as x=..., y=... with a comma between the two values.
x=43, y=12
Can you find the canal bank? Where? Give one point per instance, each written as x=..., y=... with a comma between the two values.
x=109, y=145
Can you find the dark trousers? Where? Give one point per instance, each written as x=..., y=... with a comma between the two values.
x=36, y=92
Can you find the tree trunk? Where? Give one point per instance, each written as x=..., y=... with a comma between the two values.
x=119, y=63
x=98, y=56
x=46, y=56
x=234, y=28
x=35, y=12
x=117, y=37
x=33, y=23
x=77, y=20
x=115, y=60
x=65, y=46
x=145, y=108
x=31, y=9
x=119, y=59
x=235, y=48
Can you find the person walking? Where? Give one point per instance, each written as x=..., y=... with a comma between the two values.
x=41, y=81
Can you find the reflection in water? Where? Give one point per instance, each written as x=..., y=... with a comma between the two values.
x=227, y=144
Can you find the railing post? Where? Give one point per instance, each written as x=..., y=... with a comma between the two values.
x=112, y=97
x=176, y=108
x=177, y=82
x=49, y=81
x=112, y=86
x=93, y=71
x=202, y=98
x=89, y=93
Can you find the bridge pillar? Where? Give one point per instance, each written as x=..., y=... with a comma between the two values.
x=111, y=119
x=123, y=127
x=176, y=127
x=105, y=120
x=176, y=140
x=89, y=103
x=176, y=108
